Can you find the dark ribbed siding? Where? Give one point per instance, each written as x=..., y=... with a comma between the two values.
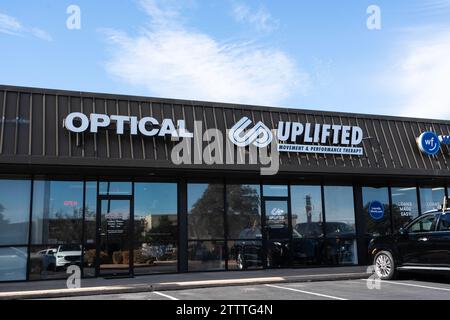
x=31, y=131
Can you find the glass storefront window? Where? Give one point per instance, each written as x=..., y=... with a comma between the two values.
x=90, y=229
x=245, y=254
x=14, y=212
x=51, y=261
x=431, y=198
x=275, y=190
x=339, y=211
x=57, y=212
x=206, y=255
x=13, y=263
x=243, y=211
x=376, y=211
x=115, y=188
x=306, y=204
x=205, y=211
x=155, y=228
x=405, y=206
x=339, y=252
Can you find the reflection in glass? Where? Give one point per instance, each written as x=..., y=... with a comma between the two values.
x=14, y=213
x=90, y=229
x=277, y=233
x=245, y=254
x=206, y=255
x=377, y=223
x=115, y=188
x=155, y=228
x=51, y=262
x=57, y=212
x=306, y=204
x=275, y=190
x=114, y=236
x=339, y=252
x=305, y=251
x=13, y=263
x=339, y=211
x=405, y=207
x=243, y=212
x=205, y=211
x=431, y=198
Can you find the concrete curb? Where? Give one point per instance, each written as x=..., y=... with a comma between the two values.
x=170, y=286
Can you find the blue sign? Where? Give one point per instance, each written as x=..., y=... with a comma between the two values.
x=376, y=210
x=429, y=143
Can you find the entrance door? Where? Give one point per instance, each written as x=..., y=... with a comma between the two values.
x=114, y=254
x=276, y=233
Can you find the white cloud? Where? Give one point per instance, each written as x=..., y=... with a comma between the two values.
x=422, y=78
x=170, y=60
x=11, y=26
x=261, y=19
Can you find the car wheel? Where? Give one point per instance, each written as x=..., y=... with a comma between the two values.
x=384, y=265
x=241, y=262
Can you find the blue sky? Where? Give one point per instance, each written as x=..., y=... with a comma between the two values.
x=300, y=54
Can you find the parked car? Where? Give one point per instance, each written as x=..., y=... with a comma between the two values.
x=423, y=245
x=67, y=254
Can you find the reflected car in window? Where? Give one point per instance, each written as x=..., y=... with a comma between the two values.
x=67, y=255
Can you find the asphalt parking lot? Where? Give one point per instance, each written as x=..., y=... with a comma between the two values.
x=321, y=290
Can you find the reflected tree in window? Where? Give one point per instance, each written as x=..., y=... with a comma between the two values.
x=243, y=211
x=206, y=219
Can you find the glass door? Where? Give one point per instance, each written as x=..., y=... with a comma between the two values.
x=276, y=233
x=114, y=254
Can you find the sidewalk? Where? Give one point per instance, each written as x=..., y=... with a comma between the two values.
x=57, y=288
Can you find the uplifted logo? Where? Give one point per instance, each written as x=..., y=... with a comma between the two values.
x=259, y=135
x=429, y=143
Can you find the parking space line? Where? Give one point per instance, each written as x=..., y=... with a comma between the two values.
x=165, y=295
x=306, y=292
x=414, y=285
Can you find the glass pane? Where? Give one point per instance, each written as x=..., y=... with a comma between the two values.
x=155, y=227
x=245, y=254
x=423, y=225
x=14, y=215
x=306, y=251
x=205, y=211
x=13, y=264
x=405, y=206
x=57, y=212
x=444, y=223
x=206, y=255
x=339, y=211
x=244, y=212
x=114, y=243
x=277, y=223
x=431, y=198
x=115, y=188
x=339, y=252
x=51, y=262
x=275, y=191
x=90, y=229
x=306, y=204
x=376, y=211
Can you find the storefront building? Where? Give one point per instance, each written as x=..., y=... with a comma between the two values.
x=99, y=181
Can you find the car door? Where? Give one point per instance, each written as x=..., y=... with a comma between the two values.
x=439, y=241
x=415, y=246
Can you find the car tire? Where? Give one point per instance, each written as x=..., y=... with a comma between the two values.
x=384, y=265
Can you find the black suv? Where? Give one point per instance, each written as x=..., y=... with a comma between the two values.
x=423, y=245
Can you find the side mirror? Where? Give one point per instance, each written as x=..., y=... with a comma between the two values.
x=403, y=231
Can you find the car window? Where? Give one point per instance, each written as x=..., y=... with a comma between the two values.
x=444, y=222
x=422, y=225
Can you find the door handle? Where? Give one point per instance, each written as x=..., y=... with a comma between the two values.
x=423, y=239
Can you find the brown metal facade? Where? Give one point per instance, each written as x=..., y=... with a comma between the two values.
x=32, y=133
